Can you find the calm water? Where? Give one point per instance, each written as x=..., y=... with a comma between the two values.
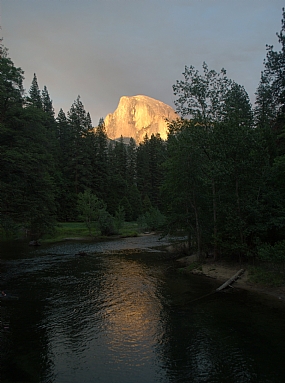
x=127, y=317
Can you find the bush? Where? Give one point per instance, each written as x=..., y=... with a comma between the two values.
x=119, y=218
x=151, y=220
x=273, y=253
x=106, y=223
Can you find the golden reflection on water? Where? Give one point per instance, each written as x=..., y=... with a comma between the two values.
x=132, y=315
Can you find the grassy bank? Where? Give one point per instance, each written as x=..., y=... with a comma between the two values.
x=78, y=230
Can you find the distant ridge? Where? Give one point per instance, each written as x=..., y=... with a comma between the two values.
x=137, y=116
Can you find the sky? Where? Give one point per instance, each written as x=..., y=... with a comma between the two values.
x=105, y=49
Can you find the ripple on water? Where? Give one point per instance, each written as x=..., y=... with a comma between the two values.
x=123, y=318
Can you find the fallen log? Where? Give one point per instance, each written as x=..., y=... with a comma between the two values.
x=231, y=280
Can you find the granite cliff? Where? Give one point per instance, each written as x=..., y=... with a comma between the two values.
x=137, y=116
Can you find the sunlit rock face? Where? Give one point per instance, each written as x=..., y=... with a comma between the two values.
x=137, y=116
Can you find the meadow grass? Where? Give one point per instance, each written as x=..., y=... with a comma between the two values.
x=78, y=230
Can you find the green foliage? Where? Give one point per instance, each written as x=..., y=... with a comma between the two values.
x=134, y=198
x=93, y=212
x=270, y=101
x=115, y=193
x=151, y=220
x=131, y=167
x=47, y=103
x=151, y=154
x=68, y=230
x=275, y=69
x=119, y=218
x=201, y=96
x=27, y=187
x=90, y=209
x=77, y=230
x=80, y=134
x=11, y=88
x=34, y=98
x=106, y=223
x=100, y=170
x=214, y=182
x=129, y=229
x=127, y=208
x=219, y=177
x=273, y=253
x=146, y=204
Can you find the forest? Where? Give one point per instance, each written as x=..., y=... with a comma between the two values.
x=219, y=177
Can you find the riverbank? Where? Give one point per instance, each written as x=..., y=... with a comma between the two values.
x=77, y=231
x=222, y=271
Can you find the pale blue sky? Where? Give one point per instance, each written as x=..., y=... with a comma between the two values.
x=105, y=49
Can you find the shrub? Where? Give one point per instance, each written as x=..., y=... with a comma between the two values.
x=106, y=223
x=151, y=220
x=273, y=253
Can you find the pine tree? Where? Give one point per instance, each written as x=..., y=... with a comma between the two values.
x=184, y=192
x=270, y=120
x=11, y=101
x=270, y=100
x=157, y=155
x=275, y=69
x=131, y=162
x=120, y=158
x=80, y=127
x=143, y=168
x=67, y=197
x=34, y=98
x=100, y=161
x=11, y=87
x=47, y=103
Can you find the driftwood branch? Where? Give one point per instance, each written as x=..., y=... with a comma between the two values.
x=231, y=280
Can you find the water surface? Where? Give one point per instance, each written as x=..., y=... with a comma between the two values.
x=124, y=314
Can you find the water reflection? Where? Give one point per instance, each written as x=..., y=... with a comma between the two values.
x=132, y=316
x=106, y=316
x=129, y=318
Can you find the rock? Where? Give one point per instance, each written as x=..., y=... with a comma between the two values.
x=137, y=116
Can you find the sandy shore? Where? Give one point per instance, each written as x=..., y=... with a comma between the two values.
x=222, y=271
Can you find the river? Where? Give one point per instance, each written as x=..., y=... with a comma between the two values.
x=124, y=314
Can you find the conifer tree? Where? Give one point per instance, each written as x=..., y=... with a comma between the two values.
x=80, y=126
x=34, y=98
x=270, y=100
x=157, y=155
x=67, y=198
x=131, y=162
x=143, y=168
x=47, y=103
x=270, y=120
x=100, y=163
x=11, y=87
x=120, y=158
x=150, y=157
x=275, y=69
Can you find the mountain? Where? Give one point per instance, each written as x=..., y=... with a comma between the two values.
x=137, y=116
